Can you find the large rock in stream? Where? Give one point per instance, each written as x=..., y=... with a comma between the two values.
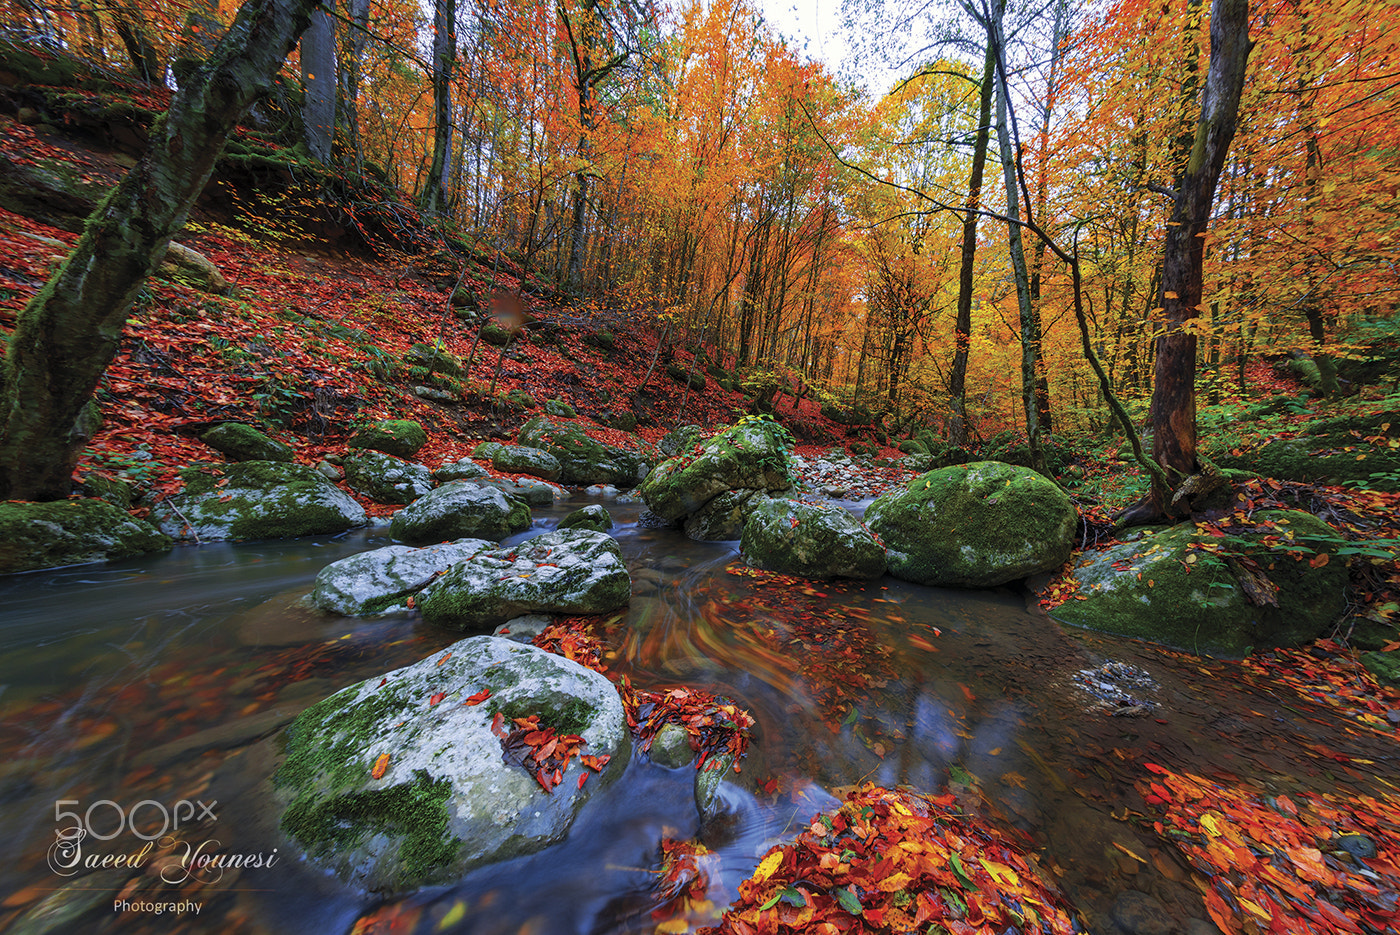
x=460, y=510
x=398, y=782
x=582, y=460
x=715, y=489
x=1182, y=587
x=256, y=500
x=974, y=525
x=386, y=479
x=381, y=581
x=568, y=571
x=816, y=541
x=71, y=532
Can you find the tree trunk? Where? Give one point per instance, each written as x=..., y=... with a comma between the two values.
x=70, y=330
x=348, y=107
x=962, y=330
x=1174, y=386
x=318, y=76
x=433, y=199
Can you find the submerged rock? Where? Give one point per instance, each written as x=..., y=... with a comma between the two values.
x=974, y=525
x=386, y=479
x=257, y=500
x=460, y=510
x=811, y=540
x=570, y=571
x=397, y=782
x=382, y=581
x=1164, y=588
x=71, y=532
x=594, y=516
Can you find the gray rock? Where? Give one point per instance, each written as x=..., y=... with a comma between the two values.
x=71, y=532
x=583, y=460
x=463, y=469
x=707, y=782
x=594, y=516
x=752, y=455
x=433, y=394
x=671, y=747
x=518, y=459
x=533, y=491
x=240, y=442
x=1357, y=845
x=460, y=510
x=486, y=450
x=381, y=581
x=446, y=801
x=386, y=479
x=523, y=629
x=329, y=471
x=680, y=439
x=607, y=491
x=723, y=518
x=570, y=571
x=810, y=540
x=974, y=525
x=257, y=500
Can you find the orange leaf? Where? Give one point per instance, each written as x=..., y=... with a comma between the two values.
x=1318, y=560
x=478, y=698
x=381, y=765
x=435, y=698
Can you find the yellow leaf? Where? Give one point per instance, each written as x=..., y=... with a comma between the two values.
x=894, y=883
x=673, y=927
x=768, y=866
x=1000, y=872
x=1211, y=824
x=456, y=914
x=1170, y=295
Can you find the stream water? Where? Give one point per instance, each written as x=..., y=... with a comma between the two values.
x=153, y=689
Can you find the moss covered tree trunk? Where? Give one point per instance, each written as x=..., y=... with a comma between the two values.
x=1174, y=386
x=69, y=332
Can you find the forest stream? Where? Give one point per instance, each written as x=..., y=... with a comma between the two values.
x=156, y=687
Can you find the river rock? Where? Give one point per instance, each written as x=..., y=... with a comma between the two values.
x=680, y=439
x=523, y=629
x=399, y=437
x=1164, y=588
x=723, y=518
x=446, y=800
x=594, y=516
x=386, y=479
x=1385, y=666
x=750, y=456
x=532, y=490
x=71, y=532
x=815, y=541
x=518, y=459
x=974, y=525
x=486, y=450
x=462, y=469
x=583, y=460
x=239, y=442
x=568, y=571
x=381, y=581
x=460, y=510
x=257, y=500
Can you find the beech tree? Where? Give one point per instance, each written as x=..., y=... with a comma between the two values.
x=68, y=333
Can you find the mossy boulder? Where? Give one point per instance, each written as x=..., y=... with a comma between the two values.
x=812, y=540
x=382, y=580
x=680, y=439
x=520, y=399
x=1385, y=666
x=569, y=571
x=603, y=340
x=722, y=519
x=460, y=510
x=257, y=500
x=461, y=469
x=583, y=460
x=1177, y=586
x=239, y=442
x=386, y=479
x=594, y=516
x=557, y=407
x=519, y=459
x=485, y=451
x=684, y=375
x=71, y=532
x=399, y=437
x=433, y=360
x=444, y=800
x=494, y=334
x=974, y=525
x=532, y=490
x=753, y=455
x=1305, y=460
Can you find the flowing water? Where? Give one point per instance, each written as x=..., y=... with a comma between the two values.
x=153, y=689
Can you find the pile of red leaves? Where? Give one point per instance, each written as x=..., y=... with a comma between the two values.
x=1337, y=679
x=715, y=726
x=1275, y=863
x=542, y=751
x=894, y=861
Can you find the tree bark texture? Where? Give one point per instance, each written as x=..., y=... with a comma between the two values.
x=70, y=331
x=434, y=197
x=318, y=77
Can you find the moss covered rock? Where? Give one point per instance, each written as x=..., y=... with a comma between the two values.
x=382, y=580
x=239, y=442
x=813, y=540
x=399, y=437
x=386, y=479
x=723, y=518
x=494, y=334
x=520, y=459
x=974, y=525
x=583, y=460
x=1304, y=459
x=433, y=360
x=461, y=469
x=71, y=532
x=445, y=800
x=752, y=455
x=257, y=500
x=460, y=510
x=684, y=375
x=557, y=407
x=1177, y=586
x=594, y=517
x=681, y=439
x=569, y=571
x=1385, y=666
x=532, y=490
